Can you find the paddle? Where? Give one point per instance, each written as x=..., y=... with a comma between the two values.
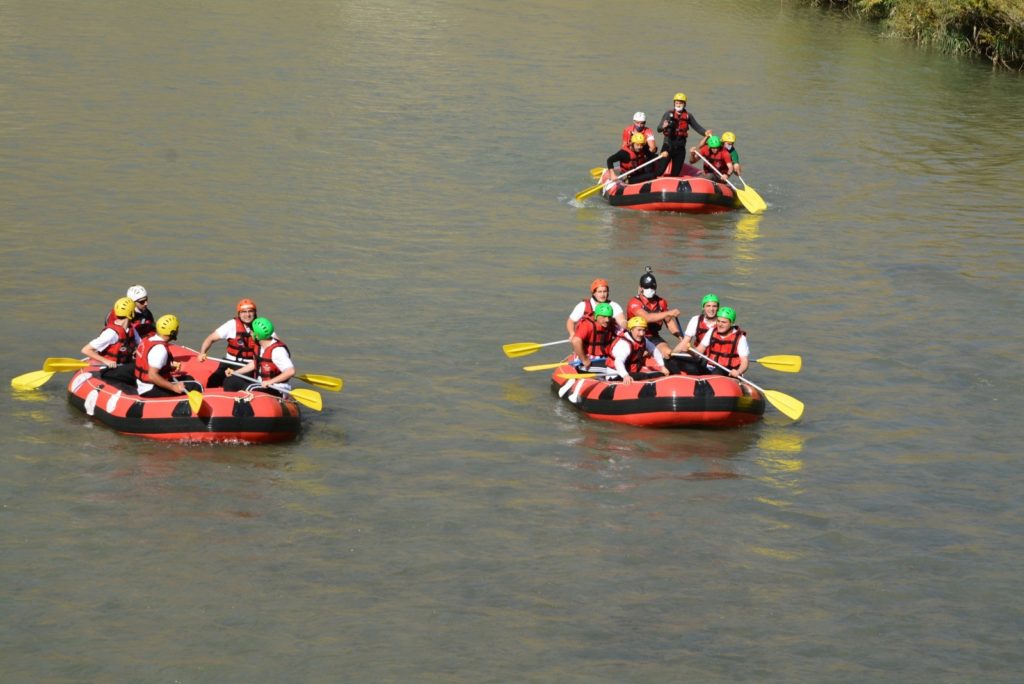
x=784, y=363
x=516, y=349
x=584, y=194
x=752, y=193
x=310, y=398
x=791, y=406
x=60, y=365
x=195, y=400
x=31, y=381
x=596, y=172
x=327, y=382
x=550, y=366
x=752, y=205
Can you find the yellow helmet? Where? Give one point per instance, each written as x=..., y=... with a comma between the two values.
x=729, y=137
x=637, y=139
x=167, y=325
x=124, y=308
x=680, y=97
x=636, y=322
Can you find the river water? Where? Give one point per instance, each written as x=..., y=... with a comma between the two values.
x=393, y=184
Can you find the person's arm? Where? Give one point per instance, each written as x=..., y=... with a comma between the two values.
x=655, y=353
x=241, y=370
x=221, y=333
x=282, y=360
x=619, y=352
x=743, y=349
x=704, y=343
x=697, y=127
x=157, y=359
x=651, y=142
x=685, y=343
x=577, y=349
x=574, y=318
x=93, y=349
x=666, y=122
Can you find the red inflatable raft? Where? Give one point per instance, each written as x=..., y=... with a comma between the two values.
x=711, y=401
x=223, y=416
x=688, y=193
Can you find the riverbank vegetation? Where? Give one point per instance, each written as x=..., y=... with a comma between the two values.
x=990, y=29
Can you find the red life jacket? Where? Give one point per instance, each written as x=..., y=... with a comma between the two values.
x=722, y=348
x=635, y=158
x=142, y=359
x=720, y=159
x=628, y=132
x=143, y=322
x=702, y=328
x=122, y=350
x=680, y=126
x=242, y=347
x=265, y=366
x=637, y=351
x=596, y=341
x=655, y=305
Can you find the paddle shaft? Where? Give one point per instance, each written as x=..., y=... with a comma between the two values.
x=716, y=171
x=590, y=191
x=738, y=377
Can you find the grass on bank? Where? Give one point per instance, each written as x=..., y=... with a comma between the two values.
x=991, y=29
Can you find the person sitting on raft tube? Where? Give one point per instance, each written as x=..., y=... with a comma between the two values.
x=639, y=126
x=273, y=363
x=593, y=336
x=636, y=154
x=154, y=362
x=654, y=310
x=115, y=347
x=700, y=324
x=241, y=345
x=726, y=344
x=142, y=320
x=631, y=348
x=719, y=157
x=599, y=292
x=675, y=125
x=729, y=143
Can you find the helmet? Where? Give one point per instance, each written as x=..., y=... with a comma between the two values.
x=598, y=282
x=137, y=292
x=729, y=137
x=647, y=280
x=262, y=328
x=167, y=326
x=603, y=309
x=640, y=117
x=714, y=141
x=636, y=322
x=727, y=312
x=124, y=308
x=679, y=97
x=709, y=297
x=637, y=139
x=245, y=304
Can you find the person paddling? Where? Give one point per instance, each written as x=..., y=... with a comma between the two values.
x=675, y=126
x=718, y=157
x=272, y=365
x=599, y=292
x=729, y=143
x=115, y=346
x=593, y=336
x=634, y=155
x=154, y=362
x=726, y=344
x=631, y=348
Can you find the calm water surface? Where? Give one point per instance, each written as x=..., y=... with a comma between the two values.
x=393, y=184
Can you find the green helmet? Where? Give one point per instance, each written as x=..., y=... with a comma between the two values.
x=603, y=309
x=714, y=141
x=727, y=312
x=709, y=297
x=262, y=328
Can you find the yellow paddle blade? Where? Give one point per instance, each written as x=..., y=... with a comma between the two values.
x=791, y=406
x=310, y=398
x=327, y=382
x=31, y=381
x=596, y=172
x=577, y=376
x=195, y=400
x=755, y=199
x=58, y=365
x=584, y=194
x=516, y=349
x=751, y=205
x=785, y=363
x=543, y=366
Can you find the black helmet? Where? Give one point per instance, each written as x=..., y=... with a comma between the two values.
x=647, y=280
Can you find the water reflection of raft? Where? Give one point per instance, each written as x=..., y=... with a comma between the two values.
x=688, y=193
x=222, y=417
x=711, y=401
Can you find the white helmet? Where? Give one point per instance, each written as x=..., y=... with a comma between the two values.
x=640, y=117
x=137, y=292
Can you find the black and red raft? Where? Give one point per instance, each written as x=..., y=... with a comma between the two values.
x=693, y=401
x=688, y=193
x=248, y=416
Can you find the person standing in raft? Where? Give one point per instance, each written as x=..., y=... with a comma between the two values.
x=636, y=154
x=142, y=321
x=639, y=126
x=726, y=344
x=241, y=345
x=655, y=312
x=599, y=292
x=631, y=348
x=115, y=347
x=719, y=157
x=154, y=362
x=593, y=336
x=273, y=362
x=675, y=126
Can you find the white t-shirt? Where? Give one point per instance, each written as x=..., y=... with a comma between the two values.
x=742, y=348
x=691, y=327
x=109, y=337
x=577, y=313
x=283, y=360
x=620, y=352
x=157, y=358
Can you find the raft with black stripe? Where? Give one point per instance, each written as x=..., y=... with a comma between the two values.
x=688, y=193
x=223, y=417
x=692, y=401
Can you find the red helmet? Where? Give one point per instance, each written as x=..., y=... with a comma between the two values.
x=245, y=304
x=598, y=282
